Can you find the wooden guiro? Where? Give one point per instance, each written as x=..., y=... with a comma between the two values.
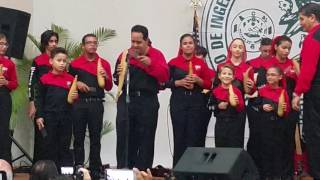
x=280, y=111
x=122, y=74
x=100, y=78
x=232, y=96
x=1, y=70
x=190, y=71
x=72, y=90
x=245, y=80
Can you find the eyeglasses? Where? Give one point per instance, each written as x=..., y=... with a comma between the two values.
x=4, y=44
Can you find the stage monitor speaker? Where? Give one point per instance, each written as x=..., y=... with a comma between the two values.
x=14, y=24
x=216, y=164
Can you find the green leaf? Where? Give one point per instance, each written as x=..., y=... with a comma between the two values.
x=103, y=34
x=74, y=49
x=62, y=32
x=20, y=95
x=34, y=41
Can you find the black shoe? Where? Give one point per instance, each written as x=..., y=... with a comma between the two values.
x=97, y=175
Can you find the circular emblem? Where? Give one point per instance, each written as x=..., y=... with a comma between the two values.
x=251, y=25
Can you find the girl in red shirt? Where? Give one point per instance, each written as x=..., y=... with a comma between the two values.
x=189, y=75
x=281, y=48
x=271, y=135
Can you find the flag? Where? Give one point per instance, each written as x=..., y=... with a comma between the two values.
x=195, y=32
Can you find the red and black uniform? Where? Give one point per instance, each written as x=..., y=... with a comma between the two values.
x=309, y=83
x=229, y=127
x=288, y=70
x=140, y=115
x=272, y=135
x=252, y=109
x=39, y=67
x=290, y=77
x=9, y=69
x=238, y=83
x=89, y=109
x=188, y=107
x=53, y=107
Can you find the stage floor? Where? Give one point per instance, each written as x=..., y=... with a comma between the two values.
x=21, y=176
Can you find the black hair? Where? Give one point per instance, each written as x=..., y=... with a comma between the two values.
x=200, y=50
x=3, y=36
x=309, y=9
x=83, y=41
x=43, y=169
x=265, y=42
x=45, y=38
x=58, y=50
x=184, y=36
x=278, y=40
x=141, y=29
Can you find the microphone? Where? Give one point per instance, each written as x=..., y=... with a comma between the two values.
x=133, y=53
x=44, y=132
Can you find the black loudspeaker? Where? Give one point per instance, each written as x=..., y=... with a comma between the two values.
x=14, y=24
x=216, y=164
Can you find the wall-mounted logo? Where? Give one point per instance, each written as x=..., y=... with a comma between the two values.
x=224, y=20
x=251, y=25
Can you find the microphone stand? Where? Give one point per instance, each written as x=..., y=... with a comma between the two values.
x=127, y=122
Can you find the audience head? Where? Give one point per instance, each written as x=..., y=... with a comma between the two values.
x=309, y=16
x=49, y=40
x=201, y=52
x=265, y=48
x=43, y=170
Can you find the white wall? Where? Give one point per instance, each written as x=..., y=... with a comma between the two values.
x=166, y=20
x=25, y=5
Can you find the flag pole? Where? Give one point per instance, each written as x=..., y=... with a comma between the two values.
x=195, y=31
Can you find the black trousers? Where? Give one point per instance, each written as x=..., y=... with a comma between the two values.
x=59, y=130
x=141, y=117
x=88, y=114
x=271, y=146
x=311, y=129
x=291, y=121
x=253, y=119
x=5, y=114
x=39, y=151
x=229, y=131
x=189, y=121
